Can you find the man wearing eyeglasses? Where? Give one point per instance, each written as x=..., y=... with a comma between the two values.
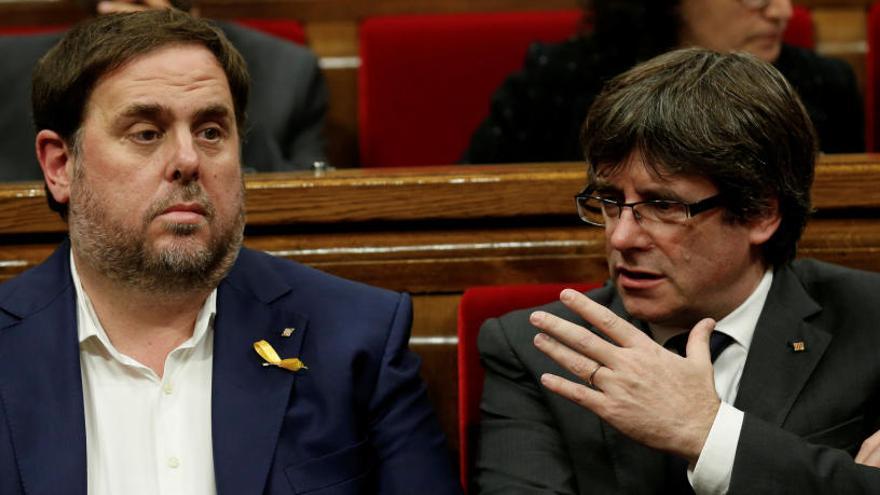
x=711, y=362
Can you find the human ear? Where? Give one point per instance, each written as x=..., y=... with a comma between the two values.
x=762, y=228
x=56, y=161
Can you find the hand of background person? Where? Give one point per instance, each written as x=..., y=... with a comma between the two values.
x=869, y=454
x=647, y=392
x=117, y=6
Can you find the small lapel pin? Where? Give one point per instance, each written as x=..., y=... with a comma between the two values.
x=798, y=346
x=287, y=332
x=267, y=352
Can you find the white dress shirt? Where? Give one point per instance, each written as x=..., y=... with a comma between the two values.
x=713, y=470
x=146, y=435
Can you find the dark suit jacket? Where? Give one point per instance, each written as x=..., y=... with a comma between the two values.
x=286, y=107
x=806, y=412
x=358, y=421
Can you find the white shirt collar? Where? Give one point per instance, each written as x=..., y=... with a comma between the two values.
x=741, y=322
x=88, y=324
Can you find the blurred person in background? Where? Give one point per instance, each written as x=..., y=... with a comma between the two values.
x=286, y=109
x=536, y=115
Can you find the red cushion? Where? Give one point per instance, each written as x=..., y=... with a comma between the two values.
x=32, y=29
x=283, y=28
x=477, y=305
x=800, y=31
x=872, y=66
x=426, y=80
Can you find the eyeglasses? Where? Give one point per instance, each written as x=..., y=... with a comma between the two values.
x=755, y=4
x=599, y=211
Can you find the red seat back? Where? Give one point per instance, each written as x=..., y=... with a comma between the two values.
x=426, y=80
x=32, y=29
x=800, y=31
x=287, y=29
x=477, y=305
x=872, y=79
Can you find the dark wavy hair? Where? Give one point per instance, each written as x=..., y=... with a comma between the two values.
x=728, y=117
x=64, y=78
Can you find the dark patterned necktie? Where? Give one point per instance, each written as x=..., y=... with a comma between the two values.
x=676, y=467
x=717, y=343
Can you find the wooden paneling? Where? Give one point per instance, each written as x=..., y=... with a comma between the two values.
x=435, y=231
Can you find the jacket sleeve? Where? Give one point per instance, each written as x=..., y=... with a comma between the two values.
x=10, y=482
x=305, y=136
x=805, y=468
x=412, y=449
x=521, y=450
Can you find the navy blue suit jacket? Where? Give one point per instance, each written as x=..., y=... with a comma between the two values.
x=357, y=421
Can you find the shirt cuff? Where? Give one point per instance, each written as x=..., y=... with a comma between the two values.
x=714, y=467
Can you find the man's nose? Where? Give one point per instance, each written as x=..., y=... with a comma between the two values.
x=184, y=162
x=626, y=232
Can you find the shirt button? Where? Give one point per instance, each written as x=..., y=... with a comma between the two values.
x=167, y=388
x=173, y=462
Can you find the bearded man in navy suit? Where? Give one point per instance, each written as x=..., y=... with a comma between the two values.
x=151, y=353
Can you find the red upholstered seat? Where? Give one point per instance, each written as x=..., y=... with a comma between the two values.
x=477, y=305
x=32, y=29
x=426, y=80
x=872, y=79
x=800, y=31
x=287, y=29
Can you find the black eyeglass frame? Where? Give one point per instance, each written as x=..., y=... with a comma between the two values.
x=691, y=209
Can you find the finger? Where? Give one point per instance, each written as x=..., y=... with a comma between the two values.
x=575, y=392
x=579, y=365
x=575, y=337
x=698, y=341
x=605, y=320
x=869, y=446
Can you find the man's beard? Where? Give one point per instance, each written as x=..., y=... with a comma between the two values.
x=127, y=256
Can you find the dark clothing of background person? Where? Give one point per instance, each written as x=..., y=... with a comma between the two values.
x=286, y=107
x=537, y=113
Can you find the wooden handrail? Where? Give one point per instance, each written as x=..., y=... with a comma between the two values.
x=433, y=193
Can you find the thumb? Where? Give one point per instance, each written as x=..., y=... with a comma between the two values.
x=698, y=341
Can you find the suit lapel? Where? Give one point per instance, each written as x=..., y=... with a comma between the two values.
x=40, y=380
x=249, y=401
x=774, y=373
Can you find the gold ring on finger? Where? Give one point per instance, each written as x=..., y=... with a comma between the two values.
x=592, y=374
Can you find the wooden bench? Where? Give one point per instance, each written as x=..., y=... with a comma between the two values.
x=434, y=231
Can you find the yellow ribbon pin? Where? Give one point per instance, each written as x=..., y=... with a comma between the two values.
x=265, y=350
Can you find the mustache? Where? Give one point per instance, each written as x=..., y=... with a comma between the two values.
x=192, y=192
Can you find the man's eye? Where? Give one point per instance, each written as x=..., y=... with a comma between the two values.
x=147, y=136
x=662, y=205
x=211, y=133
